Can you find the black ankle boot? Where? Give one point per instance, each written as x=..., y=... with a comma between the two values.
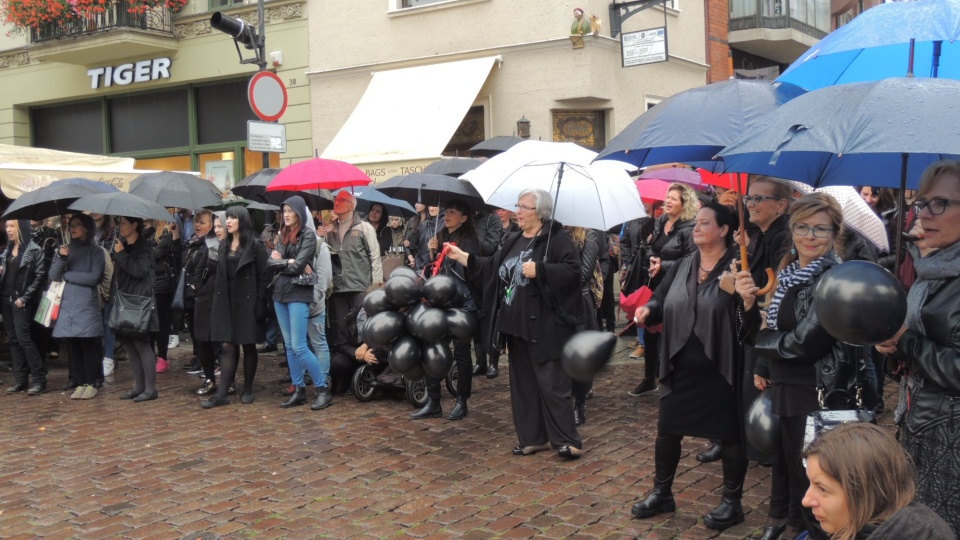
x=493, y=370
x=579, y=413
x=710, y=454
x=730, y=511
x=480, y=368
x=459, y=411
x=299, y=397
x=659, y=501
x=431, y=410
x=324, y=398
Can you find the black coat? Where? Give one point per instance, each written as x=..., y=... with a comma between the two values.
x=166, y=261
x=201, y=279
x=768, y=249
x=232, y=306
x=550, y=305
x=915, y=521
x=679, y=243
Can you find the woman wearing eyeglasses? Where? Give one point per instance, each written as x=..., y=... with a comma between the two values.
x=928, y=346
x=789, y=344
x=536, y=276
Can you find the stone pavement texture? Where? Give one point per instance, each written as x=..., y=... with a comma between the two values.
x=167, y=469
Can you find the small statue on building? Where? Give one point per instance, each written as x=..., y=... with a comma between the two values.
x=581, y=27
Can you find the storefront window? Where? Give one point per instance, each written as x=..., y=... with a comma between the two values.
x=149, y=121
x=69, y=127
x=586, y=128
x=222, y=112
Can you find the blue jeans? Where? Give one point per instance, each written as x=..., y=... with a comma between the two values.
x=316, y=330
x=292, y=318
x=109, y=339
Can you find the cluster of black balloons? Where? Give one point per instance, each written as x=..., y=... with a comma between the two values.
x=415, y=320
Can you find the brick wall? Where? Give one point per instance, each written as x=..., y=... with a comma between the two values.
x=716, y=17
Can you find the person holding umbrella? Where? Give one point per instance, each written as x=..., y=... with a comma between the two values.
x=240, y=289
x=537, y=277
x=22, y=272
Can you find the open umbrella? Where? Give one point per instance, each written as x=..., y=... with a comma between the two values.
x=254, y=187
x=121, y=204
x=318, y=173
x=653, y=189
x=54, y=198
x=367, y=196
x=452, y=166
x=673, y=174
x=857, y=214
x=595, y=195
x=494, y=145
x=176, y=190
x=875, y=45
x=431, y=189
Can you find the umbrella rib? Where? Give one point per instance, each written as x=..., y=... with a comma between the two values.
x=844, y=71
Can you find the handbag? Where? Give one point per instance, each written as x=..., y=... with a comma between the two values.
x=305, y=279
x=837, y=407
x=637, y=299
x=133, y=316
x=177, y=304
x=49, y=308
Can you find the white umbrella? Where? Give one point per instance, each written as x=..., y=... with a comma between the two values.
x=856, y=213
x=593, y=195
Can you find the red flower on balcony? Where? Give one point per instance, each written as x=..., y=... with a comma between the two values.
x=35, y=13
x=141, y=6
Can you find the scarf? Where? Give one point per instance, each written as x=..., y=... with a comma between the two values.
x=791, y=276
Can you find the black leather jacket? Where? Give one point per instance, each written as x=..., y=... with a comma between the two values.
x=679, y=244
x=33, y=271
x=935, y=358
x=807, y=352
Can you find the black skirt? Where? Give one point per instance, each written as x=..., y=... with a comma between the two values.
x=701, y=403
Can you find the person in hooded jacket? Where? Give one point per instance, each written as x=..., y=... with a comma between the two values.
x=292, y=260
x=81, y=265
x=22, y=273
x=240, y=289
x=458, y=229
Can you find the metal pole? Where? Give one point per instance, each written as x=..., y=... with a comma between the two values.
x=262, y=57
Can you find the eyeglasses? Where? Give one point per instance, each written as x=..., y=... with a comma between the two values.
x=757, y=199
x=521, y=207
x=936, y=206
x=801, y=229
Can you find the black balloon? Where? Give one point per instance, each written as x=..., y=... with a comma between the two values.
x=383, y=329
x=416, y=373
x=458, y=300
x=437, y=359
x=376, y=302
x=586, y=353
x=860, y=303
x=405, y=271
x=440, y=291
x=431, y=325
x=405, y=354
x=763, y=427
x=412, y=315
x=461, y=324
x=402, y=291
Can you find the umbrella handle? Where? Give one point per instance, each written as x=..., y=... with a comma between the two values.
x=771, y=279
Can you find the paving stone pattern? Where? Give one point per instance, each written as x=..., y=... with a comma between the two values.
x=167, y=469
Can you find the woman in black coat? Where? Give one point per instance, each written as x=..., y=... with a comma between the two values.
x=240, y=290
x=21, y=277
x=700, y=370
x=201, y=276
x=538, y=286
x=133, y=275
x=164, y=240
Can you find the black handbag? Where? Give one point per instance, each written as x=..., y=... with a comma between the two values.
x=839, y=405
x=305, y=280
x=133, y=316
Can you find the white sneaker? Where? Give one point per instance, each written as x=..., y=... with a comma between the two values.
x=173, y=342
x=108, y=365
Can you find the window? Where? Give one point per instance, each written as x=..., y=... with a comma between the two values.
x=585, y=127
x=216, y=5
x=416, y=3
x=149, y=121
x=222, y=112
x=76, y=127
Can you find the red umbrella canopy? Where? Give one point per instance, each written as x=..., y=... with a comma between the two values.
x=653, y=189
x=319, y=173
x=724, y=180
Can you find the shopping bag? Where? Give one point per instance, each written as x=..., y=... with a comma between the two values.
x=49, y=308
x=637, y=299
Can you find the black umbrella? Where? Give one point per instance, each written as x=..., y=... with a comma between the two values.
x=176, y=190
x=493, y=146
x=53, y=199
x=254, y=187
x=452, y=166
x=431, y=189
x=121, y=204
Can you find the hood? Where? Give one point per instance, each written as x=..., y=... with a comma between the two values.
x=90, y=225
x=300, y=207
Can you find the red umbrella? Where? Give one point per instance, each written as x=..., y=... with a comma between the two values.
x=655, y=190
x=725, y=180
x=318, y=173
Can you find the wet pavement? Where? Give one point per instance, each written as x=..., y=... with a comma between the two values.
x=167, y=469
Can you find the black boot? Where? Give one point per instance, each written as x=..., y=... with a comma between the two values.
x=480, y=368
x=299, y=397
x=493, y=370
x=459, y=411
x=579, y=413
x=730, y=511
x=659, y=501
x=431, y=410
x=324, y=399
x=710, y=454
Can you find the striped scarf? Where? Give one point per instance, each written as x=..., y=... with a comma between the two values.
x=788, y=278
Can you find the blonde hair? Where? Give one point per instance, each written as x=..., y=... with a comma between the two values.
x=932, y=174
x=809, y=205
x=688, y=199
x=872, y=469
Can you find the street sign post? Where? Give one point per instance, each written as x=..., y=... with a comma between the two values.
x=644, y=46
x=266, y=137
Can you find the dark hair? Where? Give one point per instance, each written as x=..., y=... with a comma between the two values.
x=886, y=198
x=288, y=235
x=384, y=216
x=244, y=225
x=723, y=217
x=137, y=222
x=464, y=230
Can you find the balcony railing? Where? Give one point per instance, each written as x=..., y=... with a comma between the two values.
x=811, y=17
x=116, y=16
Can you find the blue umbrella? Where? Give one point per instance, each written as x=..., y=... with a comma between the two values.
x=367, y=195
x=875, y=45
x=692, y=126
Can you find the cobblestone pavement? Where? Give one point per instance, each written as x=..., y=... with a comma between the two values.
x=107, y=468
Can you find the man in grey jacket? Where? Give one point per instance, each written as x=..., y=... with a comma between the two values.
x=355, y=258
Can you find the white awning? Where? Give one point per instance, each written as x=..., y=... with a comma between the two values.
x=410, y=114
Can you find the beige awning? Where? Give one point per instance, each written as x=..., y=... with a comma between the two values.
x=24, y=169
x=410, y=114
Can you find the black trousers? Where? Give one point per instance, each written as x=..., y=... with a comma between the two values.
x=24, y=353
x=161, y=339
x=461, y=355
x=340, y=305
x=651, y=355
x=85, y=359
x=540, y=399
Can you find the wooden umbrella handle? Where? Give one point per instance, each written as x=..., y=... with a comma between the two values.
x=744, y=263
x=771, y=279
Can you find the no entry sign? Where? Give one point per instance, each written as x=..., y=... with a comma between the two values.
x=267, y=96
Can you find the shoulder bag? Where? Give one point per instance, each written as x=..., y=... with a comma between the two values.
x=133, y=316
x=837, y=405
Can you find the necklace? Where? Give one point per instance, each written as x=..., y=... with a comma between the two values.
x=704, y=272
x=517, y=271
